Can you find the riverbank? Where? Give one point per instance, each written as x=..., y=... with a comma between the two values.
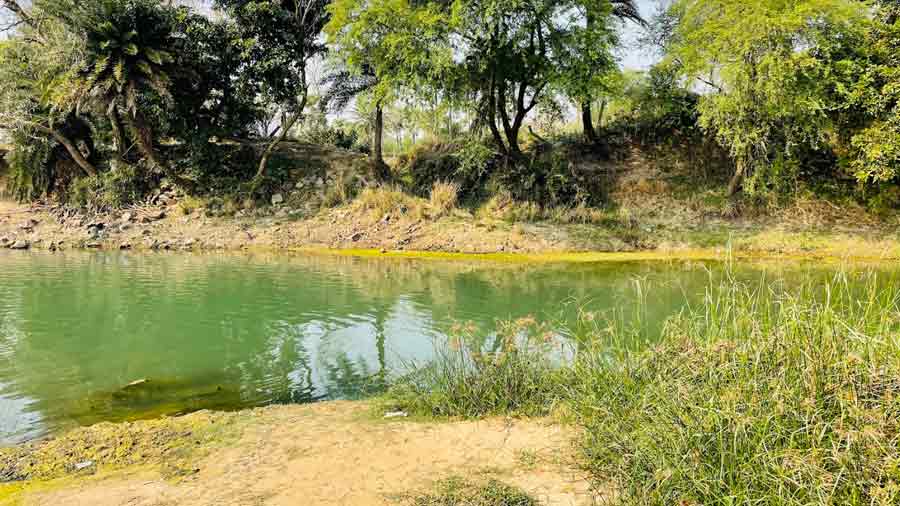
x=335, y=453
x=405, y=226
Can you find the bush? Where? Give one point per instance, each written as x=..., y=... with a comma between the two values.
x=460, y=492
x=467, y=164
x=121, y=186
x=467, y=380
x=443, y=198
x=551, y=178
x=757, y=398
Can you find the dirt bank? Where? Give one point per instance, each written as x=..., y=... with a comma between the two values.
x=355, y=229
x=326, y=454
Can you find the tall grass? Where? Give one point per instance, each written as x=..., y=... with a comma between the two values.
x=517, y=375
x=758, y=396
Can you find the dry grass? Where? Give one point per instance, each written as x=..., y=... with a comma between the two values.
x=443, y=199
x=460, y=492
x=390, y=200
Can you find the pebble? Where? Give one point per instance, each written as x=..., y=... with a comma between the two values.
x=20, y=245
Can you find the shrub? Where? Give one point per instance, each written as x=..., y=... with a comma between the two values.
x=468, y=164
x=121, y=186
x=756, y=398
x=460, y=492
x=383, y=200
x=443, y=198
x=466, y=379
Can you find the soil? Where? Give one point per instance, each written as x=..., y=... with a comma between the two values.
x=336, y=453
x=653, y=223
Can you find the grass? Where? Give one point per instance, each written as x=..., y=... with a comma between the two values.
x=517, y=377
x=170, y=442
x=461, y=492
x=443, y=198
x=759, y=396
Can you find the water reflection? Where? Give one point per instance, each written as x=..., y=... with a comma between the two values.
x=225, y=332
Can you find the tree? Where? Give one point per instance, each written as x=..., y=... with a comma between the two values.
x=516, y=51
x=280, y=39
x=871, y=90
x=767, y=68
x=384, y=46
x=127, y=62
x=598, y=62
x=34, y=75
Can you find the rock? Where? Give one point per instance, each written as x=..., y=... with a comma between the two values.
x=356, y=237
x=146, y=233
x=125, y=246
x=20, y=245
x=299, y=185
x=188, y=243
x=277, y=199
x=5, y=242
x=396, y=414
x=124, y=227
x=93, y=245
x=80, y=466
x=28, y=225
x=154, y=215
x=127, y=217
x=282, y=213
x=136, y=383
x=386, y=218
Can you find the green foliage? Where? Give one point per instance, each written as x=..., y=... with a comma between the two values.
x=768, y=67
x=460, y=492
x=468, y=164
x=468, y=379
x=872, y=87
x=756, y=397
x=552, y=178
x=119, y=187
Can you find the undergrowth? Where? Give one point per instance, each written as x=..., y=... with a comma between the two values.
x=758, y=396
x=460, y=492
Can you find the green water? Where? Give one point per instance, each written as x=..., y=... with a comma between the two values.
x=189, y=332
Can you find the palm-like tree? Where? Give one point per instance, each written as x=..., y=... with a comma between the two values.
x=343, y=87
x=127, y=57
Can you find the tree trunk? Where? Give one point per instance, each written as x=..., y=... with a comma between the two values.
x=737, y=180
x=285, y=128
x=587, y=120
x=378, y=135
x=143, y=138
x=492, y=118
x=286, y=124
x=118, y=136
x=381, y=169
x=73, y=151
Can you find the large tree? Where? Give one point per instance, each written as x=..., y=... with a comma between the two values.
x=127, y=63
x=281, y=38
x=385, y=46
x=767, y=67
x=596, y=62
x=35, y=69
x=515, y=52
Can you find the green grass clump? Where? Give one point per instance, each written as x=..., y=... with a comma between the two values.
x=518, y=376
x=460, y=492
x=757, y=398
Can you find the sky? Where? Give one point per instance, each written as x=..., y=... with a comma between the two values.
x=631, y=55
